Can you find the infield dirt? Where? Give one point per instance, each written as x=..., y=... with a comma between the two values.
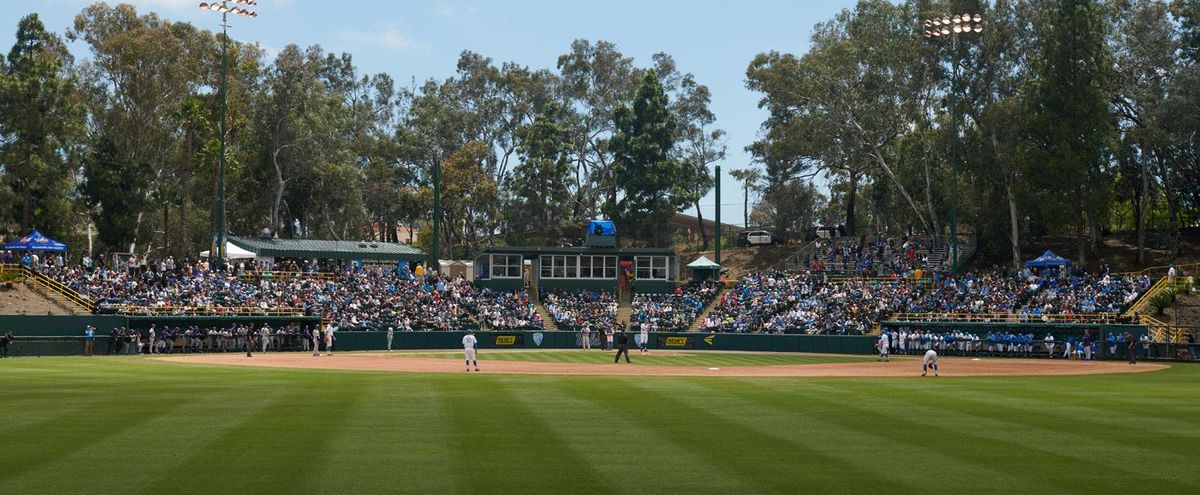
x=897, y=367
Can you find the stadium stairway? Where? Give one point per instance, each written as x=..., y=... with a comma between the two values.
x=695, y=326
x=624, y=311
x=547, y=319
x=54, y=291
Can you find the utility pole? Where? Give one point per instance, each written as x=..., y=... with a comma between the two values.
x=432, y=259
x=717, y=217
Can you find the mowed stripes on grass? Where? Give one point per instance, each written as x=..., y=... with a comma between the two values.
x=131, y=425
x=656, y=357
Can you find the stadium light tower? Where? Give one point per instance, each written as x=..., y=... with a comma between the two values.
x=952, y=28
x=217, y=253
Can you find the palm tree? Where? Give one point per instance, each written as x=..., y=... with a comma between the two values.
x=750, y=179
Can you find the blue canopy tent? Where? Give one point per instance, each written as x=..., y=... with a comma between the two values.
x=1048, y=259
x=36, y=242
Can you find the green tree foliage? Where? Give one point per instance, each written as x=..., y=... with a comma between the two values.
x=751, y=179
x=1071, y=126
x=1187, y=13
x=1072, y=117
x=470, y=200
x=115, y=192
x=41, y=120
x=841, y=107
x=540, y=187
x=645, y=170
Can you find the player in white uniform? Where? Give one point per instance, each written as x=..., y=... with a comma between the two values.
x=264, y=337
x=1049, y=340
x=390, y=335
x=884, y=347
x=469, y=343
x=930, y=361
x=329, y=338
x=644, y=337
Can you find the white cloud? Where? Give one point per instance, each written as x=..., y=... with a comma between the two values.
x=382, y=35
x=444, y=10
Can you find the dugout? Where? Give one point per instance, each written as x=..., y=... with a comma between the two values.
x=646, y=270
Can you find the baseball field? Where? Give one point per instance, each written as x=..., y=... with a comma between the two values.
x=140, y=425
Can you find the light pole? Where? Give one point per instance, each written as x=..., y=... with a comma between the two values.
x=216, y=252
x=952, y=28
x=431, y=262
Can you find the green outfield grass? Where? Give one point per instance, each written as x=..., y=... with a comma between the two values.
x=665, y=357
x=131, y=425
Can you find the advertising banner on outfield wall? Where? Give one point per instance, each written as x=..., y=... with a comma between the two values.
x=676, y=342
x=506, y=340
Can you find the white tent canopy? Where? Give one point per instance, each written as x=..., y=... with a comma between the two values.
x=232, y=252
x=703, y=262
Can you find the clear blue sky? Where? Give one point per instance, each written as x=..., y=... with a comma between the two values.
x=714, y=40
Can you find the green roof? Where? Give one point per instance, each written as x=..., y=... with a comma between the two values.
x=534, y=250
x=340, y=250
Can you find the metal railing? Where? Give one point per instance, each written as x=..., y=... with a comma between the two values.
x=1005, y=317
x=1180, y=269
x=132, y=310
x=1142, y=304
x=57, y=291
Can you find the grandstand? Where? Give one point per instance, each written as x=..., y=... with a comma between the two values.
x=883, y=256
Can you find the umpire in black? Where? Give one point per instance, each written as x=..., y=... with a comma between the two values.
x=622, y=347
x=250, y=341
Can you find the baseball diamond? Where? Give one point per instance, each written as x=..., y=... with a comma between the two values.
x=621, y=247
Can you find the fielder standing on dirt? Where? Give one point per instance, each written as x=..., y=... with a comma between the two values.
x=929, y=361
x=469, y=343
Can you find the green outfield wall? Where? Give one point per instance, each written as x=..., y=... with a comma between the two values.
x=46, y=325
x=62, y=335
x=831, y=344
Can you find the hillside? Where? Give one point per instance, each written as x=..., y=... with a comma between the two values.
x=19, y=300
x=737, y=261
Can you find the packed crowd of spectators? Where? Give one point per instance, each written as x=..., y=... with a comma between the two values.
x=675, y=311
x=353, y=298
x=861, y=255
x=804, y=302
x=574, y=310
x=365, y=298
